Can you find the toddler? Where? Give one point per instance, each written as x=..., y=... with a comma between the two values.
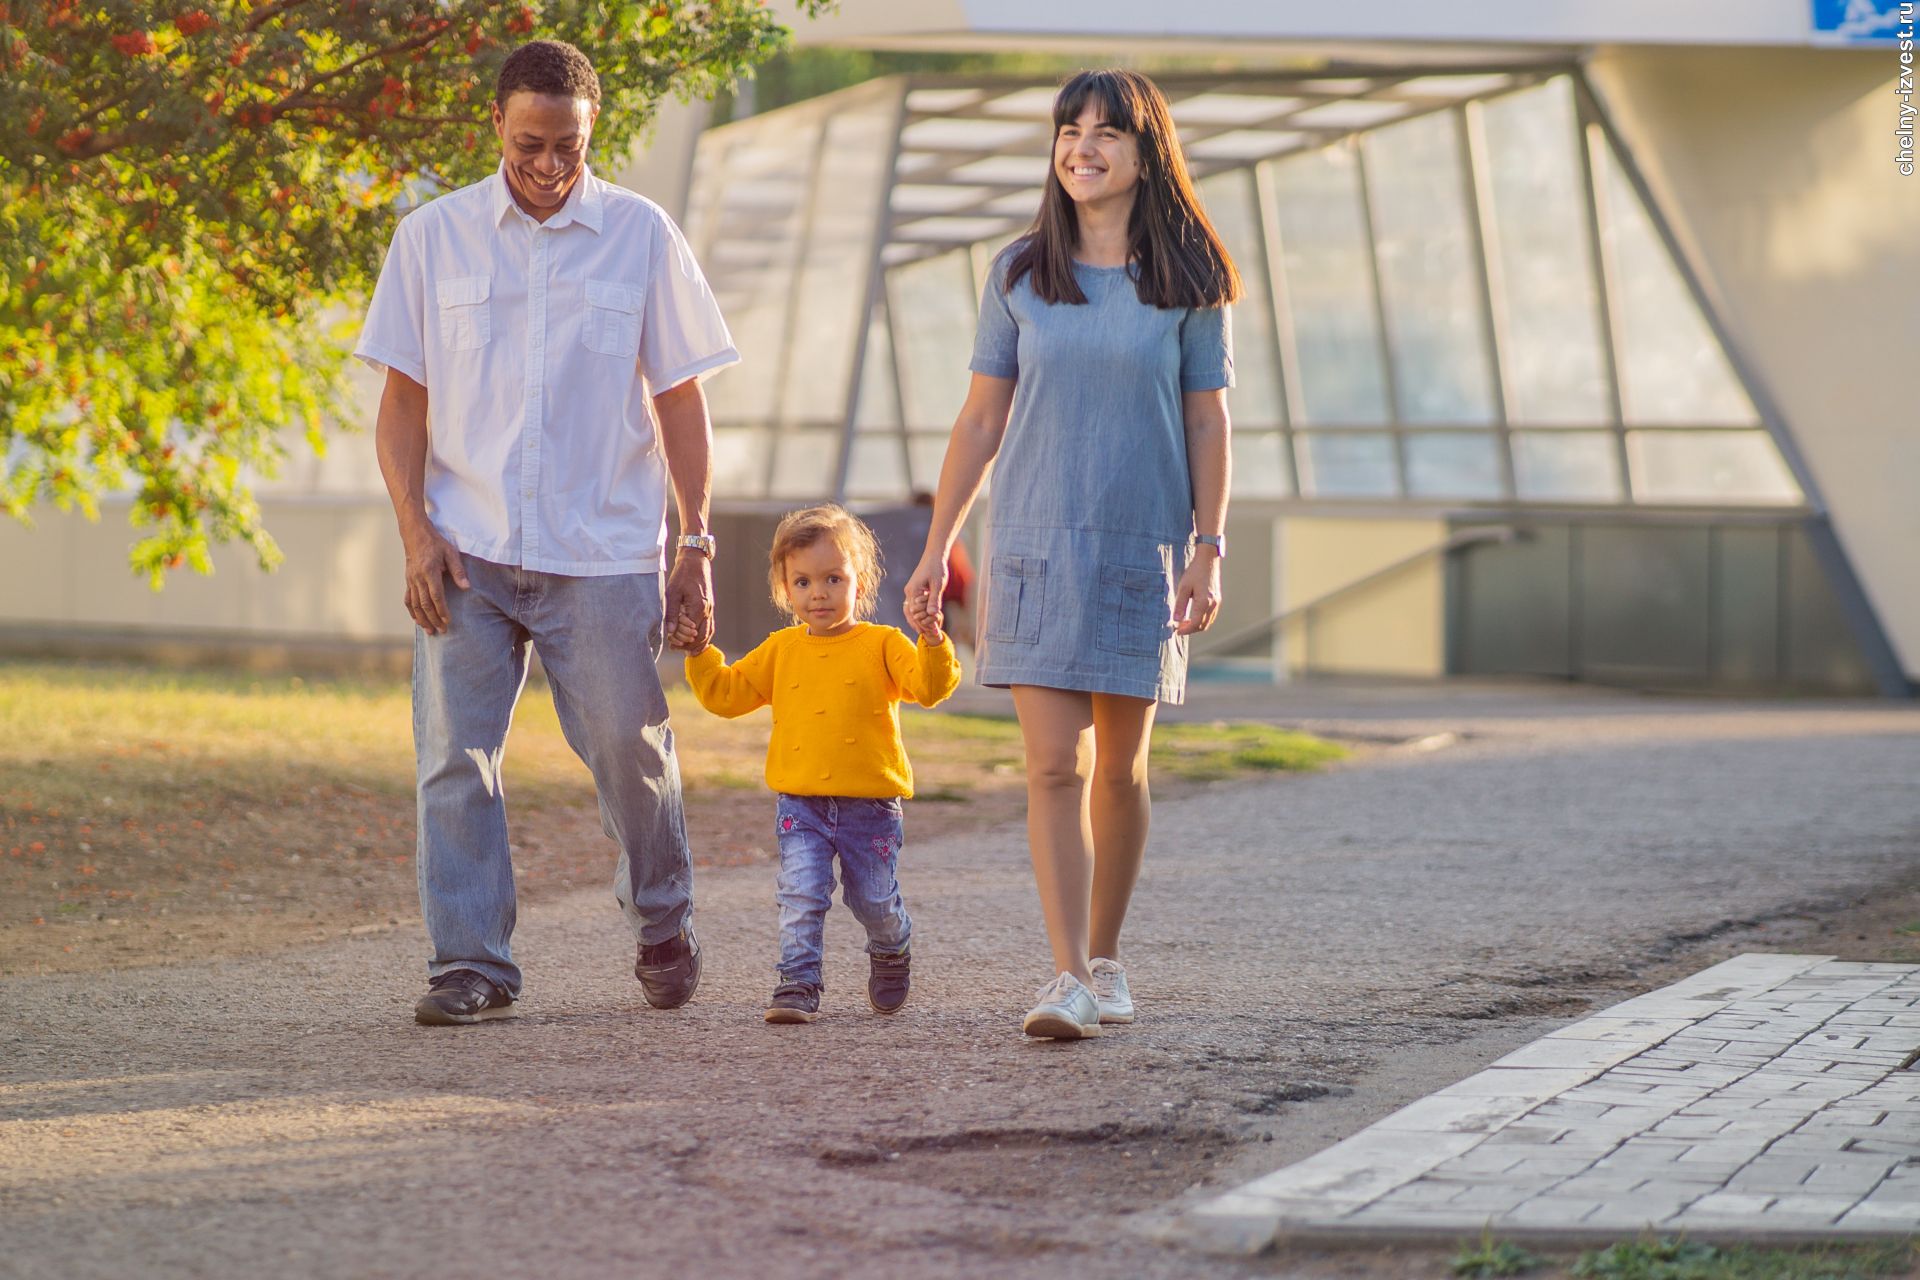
x=835, y=759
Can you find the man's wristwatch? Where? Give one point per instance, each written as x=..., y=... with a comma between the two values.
x=701, y=542
x=1217, y=541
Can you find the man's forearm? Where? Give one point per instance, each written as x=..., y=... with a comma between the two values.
x=686, y=438
x=400, y=442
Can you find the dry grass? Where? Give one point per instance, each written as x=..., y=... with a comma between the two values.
x=145, y=813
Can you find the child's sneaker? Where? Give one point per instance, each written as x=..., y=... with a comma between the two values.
x=1110, y=991
x=888, y=981
x=794, y=1002
x=1066, y=1011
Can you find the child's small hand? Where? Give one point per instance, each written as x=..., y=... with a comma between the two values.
x=928, y=625
x=684, y=634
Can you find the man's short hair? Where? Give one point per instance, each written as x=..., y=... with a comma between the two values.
x=548, y=67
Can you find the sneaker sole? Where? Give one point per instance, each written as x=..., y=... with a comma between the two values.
x=880, y=1008
x=440, y=1018
x=1115, y=1019
x=789, y=1017
x=1057, y=1026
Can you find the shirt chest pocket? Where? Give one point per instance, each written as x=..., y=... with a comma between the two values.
x=466, y=322
x=613, y=319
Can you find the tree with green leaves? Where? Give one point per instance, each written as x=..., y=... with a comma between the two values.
x=190, y=189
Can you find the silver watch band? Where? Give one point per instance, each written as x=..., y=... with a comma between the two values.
x=1215, y=540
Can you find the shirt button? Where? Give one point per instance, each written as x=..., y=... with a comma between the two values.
x=819, y=711
x=824, y=775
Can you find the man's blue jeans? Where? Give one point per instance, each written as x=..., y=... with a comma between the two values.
x=865, y=835
x=598, y=640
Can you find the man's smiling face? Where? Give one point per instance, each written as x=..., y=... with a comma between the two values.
x=543, y=138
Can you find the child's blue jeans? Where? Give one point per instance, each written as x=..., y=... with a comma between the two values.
x=865, y=836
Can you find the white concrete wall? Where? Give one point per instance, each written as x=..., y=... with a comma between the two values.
x=991, y=23
x=1777, y=169
x=342, y=579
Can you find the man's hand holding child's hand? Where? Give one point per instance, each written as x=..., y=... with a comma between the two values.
x=685, y=633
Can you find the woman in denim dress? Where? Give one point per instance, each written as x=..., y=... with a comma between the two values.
x=1100, y=372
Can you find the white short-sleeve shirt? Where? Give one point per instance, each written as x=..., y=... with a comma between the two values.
x=540, y=345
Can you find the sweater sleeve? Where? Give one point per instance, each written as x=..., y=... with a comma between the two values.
x=923, y=673
x=732, y=690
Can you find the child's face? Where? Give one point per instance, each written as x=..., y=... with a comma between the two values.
x=822, y=587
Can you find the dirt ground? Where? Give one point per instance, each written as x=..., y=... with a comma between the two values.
x=1313, y=952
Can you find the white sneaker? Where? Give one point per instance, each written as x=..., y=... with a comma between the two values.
x=1067, y=1011
x=1110, y=991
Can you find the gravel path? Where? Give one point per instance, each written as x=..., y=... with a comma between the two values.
x=1308, y=954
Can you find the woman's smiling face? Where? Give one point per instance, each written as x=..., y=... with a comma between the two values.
x=1094, y=158
x=544, y=138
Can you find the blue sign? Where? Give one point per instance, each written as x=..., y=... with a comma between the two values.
x=1860, y=21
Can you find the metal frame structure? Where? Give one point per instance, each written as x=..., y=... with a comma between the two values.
x=961, y=175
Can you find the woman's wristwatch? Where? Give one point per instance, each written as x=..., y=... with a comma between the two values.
x=1218, y=541
x=701, y=542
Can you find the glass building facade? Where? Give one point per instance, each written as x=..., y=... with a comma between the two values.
x=1456, y=295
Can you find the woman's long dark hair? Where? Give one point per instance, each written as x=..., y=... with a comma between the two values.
x=1177, y=256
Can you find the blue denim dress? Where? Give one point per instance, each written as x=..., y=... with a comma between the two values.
x=1092, y=519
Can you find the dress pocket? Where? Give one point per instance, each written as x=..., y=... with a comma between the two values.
x=1015, y=590
x=612, y=325
x=466, y=320
x=1136, y=610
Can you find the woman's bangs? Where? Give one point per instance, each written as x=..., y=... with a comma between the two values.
x=1099, y=87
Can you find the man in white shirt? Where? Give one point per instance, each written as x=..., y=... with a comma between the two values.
x=543, y=335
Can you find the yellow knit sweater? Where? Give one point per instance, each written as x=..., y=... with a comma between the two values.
x=836, y=722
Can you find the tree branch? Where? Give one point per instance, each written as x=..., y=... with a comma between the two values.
x=267, y=13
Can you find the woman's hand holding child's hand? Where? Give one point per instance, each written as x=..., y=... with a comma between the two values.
x=925, y=590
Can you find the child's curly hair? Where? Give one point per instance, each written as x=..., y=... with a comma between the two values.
x=803, y=528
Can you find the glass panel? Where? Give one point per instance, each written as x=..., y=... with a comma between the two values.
x=879, y=403
x=754, y=249
x=934, y=308
x=1708, y=466
x=1256, y=397
x=1260, y=464
x=1453, y=464
x=1672, y=371
x=1343, y=465
x=834, y=273
x=1429, y=273
x=878, y=468
x=739, y=460
x=926, y=450
x=1566, y=466
x=806, y=462
x=1329, y=286
x=1552, y=352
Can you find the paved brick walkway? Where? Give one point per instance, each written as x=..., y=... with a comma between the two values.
x=1772, y=1097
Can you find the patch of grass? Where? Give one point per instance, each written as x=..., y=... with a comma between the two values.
x=1912, y=927
x=1492, y=1258
x=1671, y=1259
x=145, y=798
x=1204, y=752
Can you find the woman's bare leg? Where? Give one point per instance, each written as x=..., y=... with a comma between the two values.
x=1119, y=810
x=1058, y=727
